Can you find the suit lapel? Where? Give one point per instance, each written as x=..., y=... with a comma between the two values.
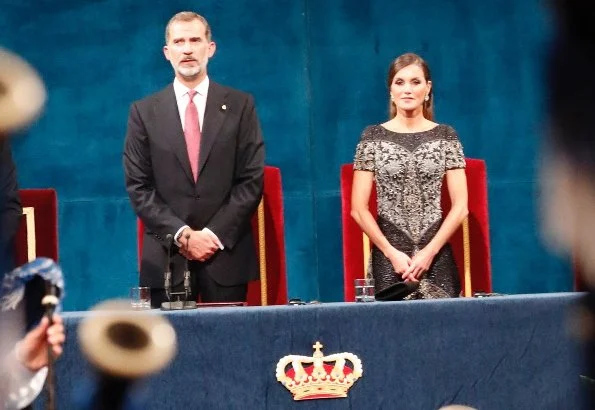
x=213, y=119
x=168, y=117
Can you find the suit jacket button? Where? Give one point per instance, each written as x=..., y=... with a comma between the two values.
x=196, y=197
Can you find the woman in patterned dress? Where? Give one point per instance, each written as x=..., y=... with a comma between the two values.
x=408, y=157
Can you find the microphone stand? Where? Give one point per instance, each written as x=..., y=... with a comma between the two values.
x=178, y=304
x=50, y=301
x=187, y=289
x=167, y=285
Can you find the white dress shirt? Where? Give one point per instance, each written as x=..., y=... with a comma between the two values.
x=200, y=100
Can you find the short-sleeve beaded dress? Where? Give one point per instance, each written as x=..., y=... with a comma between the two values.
x=409, y=170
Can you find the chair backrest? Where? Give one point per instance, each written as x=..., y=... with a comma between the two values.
x=478, y=223
x=269, y=230
x=38, y=231
x=269, y=237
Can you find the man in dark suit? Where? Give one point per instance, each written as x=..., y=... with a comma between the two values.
x=194, y=165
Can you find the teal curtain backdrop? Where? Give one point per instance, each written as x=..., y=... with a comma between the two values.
x=317, y=70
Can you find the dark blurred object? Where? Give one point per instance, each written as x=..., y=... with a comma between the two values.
x=572, y=84
x=49, y=303
x=124, y=346
x=10, y=206
x=570, y=168
x=220, y=304
x=397, y=291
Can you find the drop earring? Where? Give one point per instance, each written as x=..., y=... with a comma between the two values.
x=427, y=98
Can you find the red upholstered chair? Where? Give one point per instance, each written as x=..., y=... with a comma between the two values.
x=269, y=236
x=268, y=226
x=471, y=243
x=38, y=230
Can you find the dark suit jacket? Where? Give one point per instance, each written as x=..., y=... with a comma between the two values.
x=10, y=206
x=230, y=182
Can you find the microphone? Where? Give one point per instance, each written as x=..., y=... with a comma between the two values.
x=167, y=273
x=49, y=303
x=50, y=300
x=187, y=289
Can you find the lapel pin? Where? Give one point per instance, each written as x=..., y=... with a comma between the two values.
x=223, y=107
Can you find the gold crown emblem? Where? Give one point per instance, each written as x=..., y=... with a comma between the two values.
x=319, y=376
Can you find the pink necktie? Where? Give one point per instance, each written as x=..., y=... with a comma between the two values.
x=192, y=133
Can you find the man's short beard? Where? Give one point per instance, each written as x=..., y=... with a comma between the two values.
x=189, y=72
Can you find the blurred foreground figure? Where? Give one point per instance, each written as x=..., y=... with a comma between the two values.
x=25, y=357
x=22, y=93
x=569, y=166
x=124, y=347
x=27, y=361
x=22, y=98
x=25, y=367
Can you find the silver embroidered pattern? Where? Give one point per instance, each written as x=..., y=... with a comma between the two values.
x=409, y=169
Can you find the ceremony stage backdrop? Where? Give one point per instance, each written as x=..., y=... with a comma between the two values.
x=317, y=70
x=494, y=353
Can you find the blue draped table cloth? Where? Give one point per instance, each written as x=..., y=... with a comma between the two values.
x=509, y=352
